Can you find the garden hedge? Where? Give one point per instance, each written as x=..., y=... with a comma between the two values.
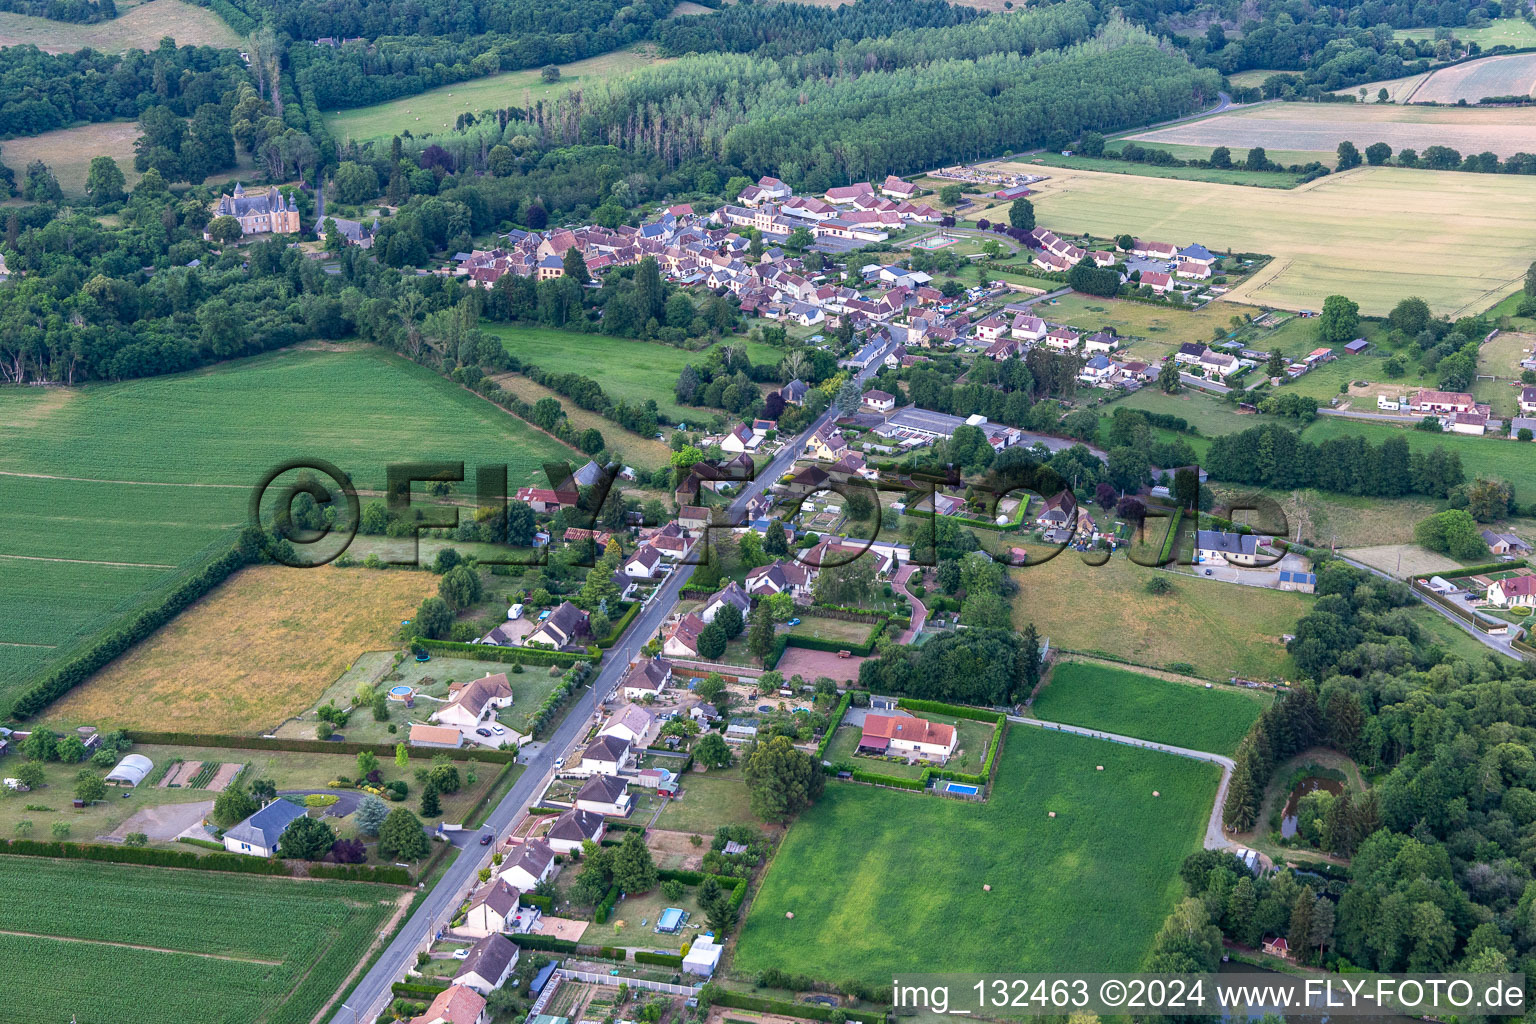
x=659, y=959
x=952, y=710
x=148, y=856
x=742, y=1001
x=543, y=903
x=508, y=655
x=600, y=915
x=410, y=989
x=816, y=643
x=544, y=943
x=832, y=724
x=386, y=875
x=621, y=625
x=1477, y=570
x=198, y=739
x=143, y=622
x=689, y=877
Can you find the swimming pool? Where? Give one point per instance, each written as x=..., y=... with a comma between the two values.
x=955, y=787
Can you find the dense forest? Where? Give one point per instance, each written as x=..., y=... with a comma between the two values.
x=43, y=91
x=1443, y=847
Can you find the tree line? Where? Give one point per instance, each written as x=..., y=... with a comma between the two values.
x=1272, y=456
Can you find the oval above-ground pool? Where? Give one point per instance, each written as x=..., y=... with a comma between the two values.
x=400, y=692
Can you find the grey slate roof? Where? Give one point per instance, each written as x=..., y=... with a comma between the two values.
x=265, y=826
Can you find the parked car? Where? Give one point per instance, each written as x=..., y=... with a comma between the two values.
x=498, y=730
x=792, y=622
x=461, y=954
x=485, y=840
x=559, y=763
x=483, y=732
x=1207, y=572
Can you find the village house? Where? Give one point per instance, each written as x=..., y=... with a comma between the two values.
x=1057, y=512
x=488, y=965
x=258, y=835
x=682, y=640
x=1528, y=401
x=633, y=724
x=879, y=401
x=493, y=909
x=1473, y=423
x=731, y=594
x=740, y=439
x=773, y=189
x=1153, y=250
x=1514, y=592
x=826, y=444
x=566, y=626
x=1101, y=341
x=575, y=827
x=261, y=213
x=896, y=188
x=1062, y=339
x=605, y=794
x=455, y=1004
x=1219, y=546
x=646, y=678
x=533, y=863
x=543, y=500
x=1157, y=281
x=845, y=194
x=471, y=703
x=1028, y=328
x=693, y=517
x=778, y=578
x=606, y=755
x=908, y=737
x=1428, y=400
x=642, y=564
x=794, y=392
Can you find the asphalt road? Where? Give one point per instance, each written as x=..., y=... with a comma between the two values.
x=373, y=992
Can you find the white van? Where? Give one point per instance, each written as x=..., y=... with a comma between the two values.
x=515, y=612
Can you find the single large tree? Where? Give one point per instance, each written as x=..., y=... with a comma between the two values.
x=370, y=814
x=89, y=786
x=402, y=836
x=306, y=839
x=713, y=752
x=1340, y=320
x=1022, y=214
x=781, y=780
x=633, y=869
x=233, y=806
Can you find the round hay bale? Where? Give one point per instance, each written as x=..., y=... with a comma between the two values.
x=986, y=888
x=1098, y=768
x=789, y=914
x=1156, y=793
x=1053, y=814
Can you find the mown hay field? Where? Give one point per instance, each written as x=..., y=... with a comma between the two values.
x=259, y=649
x=1320, y=127
x=1509, y=75
x=178, y=945
x=137, y=28
x=1085, y=890
x=1161, y=710
x=1459, y=241
x=1219, y=629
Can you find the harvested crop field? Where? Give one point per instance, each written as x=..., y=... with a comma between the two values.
x=1460, y=241
x=260, y=648
x=68, y=151
x=1322, y=126
x=138, y=28
x=1509, y=75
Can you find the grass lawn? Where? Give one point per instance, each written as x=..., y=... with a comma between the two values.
x=1347, y=520
x=68, y=151
x=1220, y=629
x=1157, y=329
x=1450, y=636
x=1161, y=710
x=633, y=921
x=833, y=629
x=436, y=109
x=1086, y=890
x=1391, y=222
x=239, y=948
x=708, y=800
x=268, y=662
x=138, y=28
x=628, y=369
x=1286, y=157
x=974, y=737
x=1480, y=456
x=113, y=485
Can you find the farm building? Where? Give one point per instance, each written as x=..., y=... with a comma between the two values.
x=130, y=771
